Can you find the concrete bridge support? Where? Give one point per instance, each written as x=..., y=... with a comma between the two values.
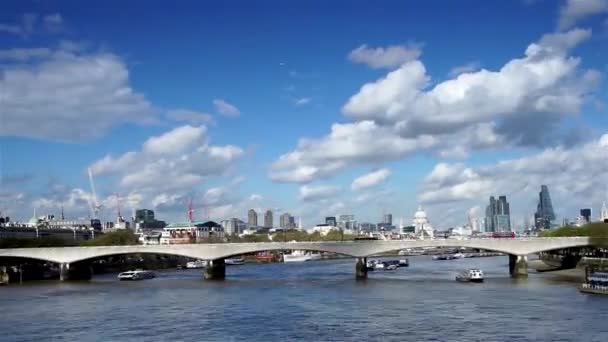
x=75, y=271
x=518, y=266
x=215, y=270
x=361, y=269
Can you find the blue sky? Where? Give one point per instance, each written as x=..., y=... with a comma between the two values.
x=90, y=82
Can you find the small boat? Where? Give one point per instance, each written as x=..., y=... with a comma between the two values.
x=234, y=261
x=404, y=263
x=473, y=275
x=299, y=256
x=370, y=265
x=380, y=265
x=196, y=264
x=390, y=267
x=596, y=283
x=136, y=275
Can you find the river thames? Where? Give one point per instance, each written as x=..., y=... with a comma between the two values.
x=313, y=301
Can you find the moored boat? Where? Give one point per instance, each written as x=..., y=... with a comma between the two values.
x=596, y=283
x=234, y=261
x=136, y=275
x=473, y=275
x=299, y=256
x=196, y=264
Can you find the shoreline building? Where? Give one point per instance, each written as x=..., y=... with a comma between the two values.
x=498, y=215
x=286, y=221
x=422, y=227
x=544, y=211
x=252, y=218
x=604, y=213
x=268, y=219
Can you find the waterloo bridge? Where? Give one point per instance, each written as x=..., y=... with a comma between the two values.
x=75, y=262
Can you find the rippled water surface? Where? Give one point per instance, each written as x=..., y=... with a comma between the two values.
x=313, y=301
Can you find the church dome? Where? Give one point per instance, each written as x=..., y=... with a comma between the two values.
x=420, y=214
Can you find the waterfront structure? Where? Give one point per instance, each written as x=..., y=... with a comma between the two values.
x=585, y=215
x=331, y=221
x=544, y=210
x=252, y=218
x=422, y=227
x=604, y=213
x=268, y=219
x=388, y=219
x=190, y=232
x=498, y=215
x=75, y=262
x=286, y=221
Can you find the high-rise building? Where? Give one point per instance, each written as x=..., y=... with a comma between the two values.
x=287, y=221
x=144, y=215
x=586, y=215
x=347, y=222
x=498, y=215
x=604, y=213
x=268, y=219
x=252, y=218
x=388, y=219
x=331, y=221
x=544, y=210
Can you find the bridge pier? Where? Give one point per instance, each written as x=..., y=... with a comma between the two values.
x=215, y=270
x=75, y=271
x=361, y=269
x=518, y=266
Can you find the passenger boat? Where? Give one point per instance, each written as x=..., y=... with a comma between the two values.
x=596, y=283
x=234, y=261
x=196, y=264
x=136, y=275
x=473, y=275
x=299, y=256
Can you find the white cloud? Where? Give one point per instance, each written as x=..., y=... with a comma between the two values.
x=22, y=55
x=371, y=179
x=465, y=68
x=225, y=108
x=72, y=96
x=575, y=176
x=302, y=101
x=30, y=23
x=545, y=80
x=255, y=197
x=189, y=116
x=177, y=160
x=315, y=193
x=575, y=10
x=361, y=142
x=389, y=57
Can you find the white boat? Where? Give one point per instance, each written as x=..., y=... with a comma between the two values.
x=391, y=267
x=196, y=264
x=473, y=275
x=234, y=261
x=300, y=256
x=136, y=275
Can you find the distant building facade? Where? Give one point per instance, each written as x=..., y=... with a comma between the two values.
x=286, y=221
x=347, y=222
x=604, y=213
x=252, y=218
x=586, y=215
x=388, y=219
x=331, y=221
x=498, y=215
x=268, y=219
x=144, y=219
x=544, y=210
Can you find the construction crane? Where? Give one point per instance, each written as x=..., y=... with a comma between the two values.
x=190, y=210
x=94, y=204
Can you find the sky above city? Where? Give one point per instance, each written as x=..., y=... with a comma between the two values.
x=316, y=108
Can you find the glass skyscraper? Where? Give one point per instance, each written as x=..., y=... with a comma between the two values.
x=498, y=215
x=544, y=210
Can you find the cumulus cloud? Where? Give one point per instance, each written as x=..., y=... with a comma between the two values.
x=575, y=10
x=225, y=108
x=72, y=96
x=360, y=142
x=302, y=101
x=388, y=57
x=30, y=23
x=319, y=192
x=183, y=156
x=465, y=68
x=371, y=179
x=572, y=174
x=22, y=55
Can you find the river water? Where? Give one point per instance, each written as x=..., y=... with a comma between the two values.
x=313, y=301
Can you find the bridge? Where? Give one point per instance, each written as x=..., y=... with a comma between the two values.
x=75, y=261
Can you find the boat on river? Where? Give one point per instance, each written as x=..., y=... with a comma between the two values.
x=136, y=275
x=196, y=264
x=234, y=261
x=596, y=283
x=473, y=276
x=299, y=256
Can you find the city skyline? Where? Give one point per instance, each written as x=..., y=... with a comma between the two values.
x=364, y=118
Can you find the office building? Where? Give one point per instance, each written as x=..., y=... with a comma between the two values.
x=252, y=218
x=331, y=221
x=388, y=219
x=268, y=219
x=498, y=215
x=544, y=210
x=286, y=221
x=586, y=215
